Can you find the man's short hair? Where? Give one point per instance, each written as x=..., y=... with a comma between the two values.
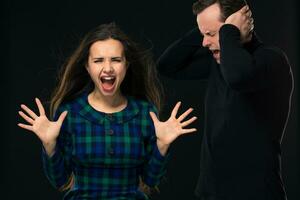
x=227, y=7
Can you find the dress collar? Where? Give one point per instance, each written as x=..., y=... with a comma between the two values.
x=91, y=114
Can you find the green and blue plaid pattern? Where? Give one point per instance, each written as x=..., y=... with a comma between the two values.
x=107, y=153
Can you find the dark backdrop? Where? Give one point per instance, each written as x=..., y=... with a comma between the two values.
x=36, y=36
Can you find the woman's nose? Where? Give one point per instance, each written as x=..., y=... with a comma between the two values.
x=107, y=67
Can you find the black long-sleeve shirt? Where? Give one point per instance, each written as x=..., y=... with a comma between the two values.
x=246, y=110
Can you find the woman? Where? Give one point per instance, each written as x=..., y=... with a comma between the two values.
x=102, y=143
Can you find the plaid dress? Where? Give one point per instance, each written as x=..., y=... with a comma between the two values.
x=107, y=153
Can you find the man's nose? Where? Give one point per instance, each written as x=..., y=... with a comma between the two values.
x=205, y=42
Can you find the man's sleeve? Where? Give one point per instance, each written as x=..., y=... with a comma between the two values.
x=186, y=59
x=246, y=71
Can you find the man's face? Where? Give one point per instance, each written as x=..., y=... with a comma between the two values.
x=209, y=23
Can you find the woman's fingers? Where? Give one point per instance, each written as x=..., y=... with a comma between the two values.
x=154, y=117
x=175, y=109
x=188, y=122
x=190, y=130
x=29, y=111
x=185, y=114
x=26, y=118
x=25, y=126
x=62, y=117
x=40, y=106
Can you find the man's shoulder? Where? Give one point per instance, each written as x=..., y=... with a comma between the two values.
x=270, y=49
x=272, y=52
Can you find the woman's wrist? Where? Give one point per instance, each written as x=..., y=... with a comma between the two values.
x=50, y=148
x=163, y=148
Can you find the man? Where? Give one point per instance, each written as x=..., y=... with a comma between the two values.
x=247, y=101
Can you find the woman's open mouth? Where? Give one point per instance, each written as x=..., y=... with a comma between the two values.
x=108, y=83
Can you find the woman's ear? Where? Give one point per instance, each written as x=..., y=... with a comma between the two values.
x=87, y=67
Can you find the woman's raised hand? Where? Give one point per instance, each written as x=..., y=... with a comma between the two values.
x=46, y=130
x=168, y=131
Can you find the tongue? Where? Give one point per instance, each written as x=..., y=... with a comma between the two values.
x=107, y=85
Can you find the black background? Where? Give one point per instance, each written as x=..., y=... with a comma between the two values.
x=36, y=37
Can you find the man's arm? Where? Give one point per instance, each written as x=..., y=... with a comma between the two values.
x=251, y=66
x=186, y=58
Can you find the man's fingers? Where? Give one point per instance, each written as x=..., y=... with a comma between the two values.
x=252, y=27
x=29, y=111
x=244, y=9
x=249, y=13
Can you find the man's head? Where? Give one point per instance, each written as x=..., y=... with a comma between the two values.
x=211, y=15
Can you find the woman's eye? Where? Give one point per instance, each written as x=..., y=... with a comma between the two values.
x=116, y=60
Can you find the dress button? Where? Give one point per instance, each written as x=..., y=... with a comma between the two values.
x=110, y=132
x=110, y=117
x=111, y=151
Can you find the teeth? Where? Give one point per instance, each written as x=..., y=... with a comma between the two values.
x=108, y=78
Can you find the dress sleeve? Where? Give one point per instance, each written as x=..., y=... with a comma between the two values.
x=186, y=59
x=155, y=165
x=58, y=167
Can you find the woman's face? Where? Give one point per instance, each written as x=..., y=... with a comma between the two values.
x=107, y=66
